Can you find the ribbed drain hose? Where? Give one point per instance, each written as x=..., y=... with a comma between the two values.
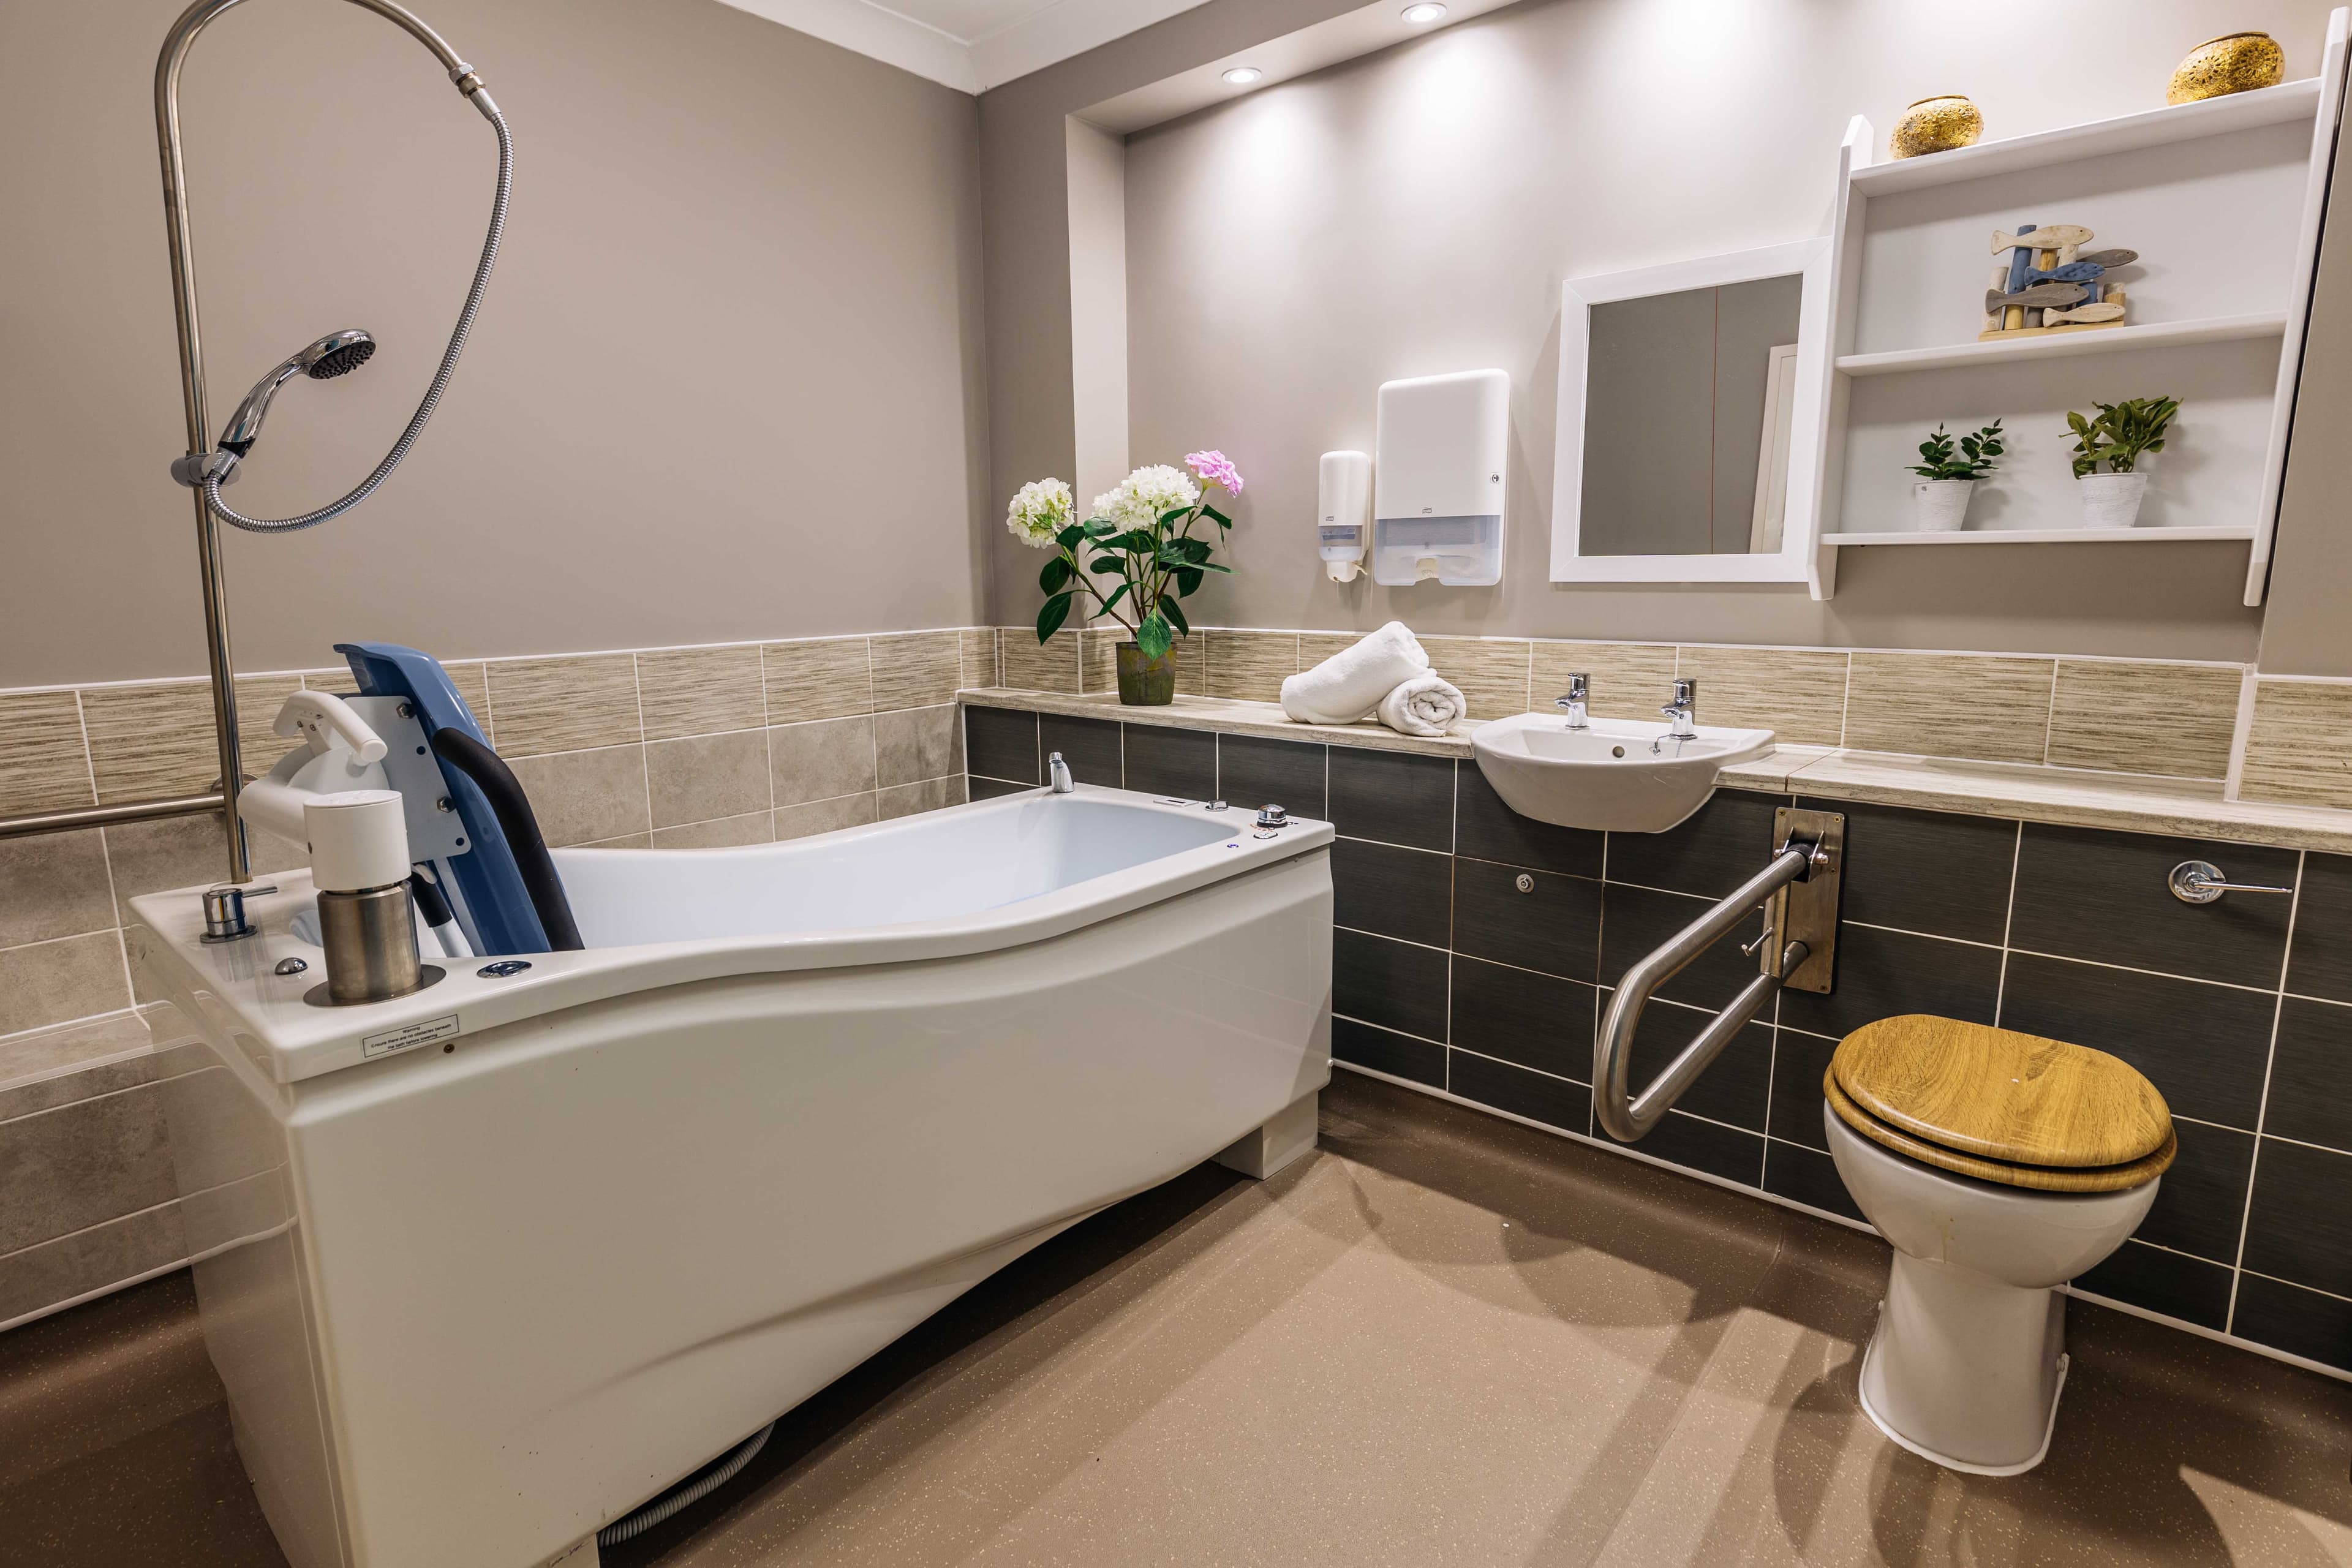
x=687, y=1494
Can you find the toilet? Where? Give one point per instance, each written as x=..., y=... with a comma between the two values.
x=1999, y=1166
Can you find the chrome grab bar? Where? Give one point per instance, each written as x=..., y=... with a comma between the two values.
x=1802, y=932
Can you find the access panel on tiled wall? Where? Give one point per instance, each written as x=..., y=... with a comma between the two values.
x=1476, y=950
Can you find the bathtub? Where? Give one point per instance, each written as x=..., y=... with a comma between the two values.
x=486, y=1267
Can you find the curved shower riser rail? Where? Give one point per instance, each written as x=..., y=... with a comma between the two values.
x=1800, y=886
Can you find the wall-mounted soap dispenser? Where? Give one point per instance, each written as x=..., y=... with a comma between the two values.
x=1343, y=506
x=1443, y=443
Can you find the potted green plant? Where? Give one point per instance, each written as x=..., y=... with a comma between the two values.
x=2120, y=434
x=1946, y=480
x=1140, y=542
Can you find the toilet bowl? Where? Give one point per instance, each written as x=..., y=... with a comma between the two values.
x=1998, y=1166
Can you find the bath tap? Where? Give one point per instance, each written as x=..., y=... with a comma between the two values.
x=1058, y=772
x=1578, y=687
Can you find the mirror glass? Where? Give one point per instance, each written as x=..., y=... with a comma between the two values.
x=1686, y=418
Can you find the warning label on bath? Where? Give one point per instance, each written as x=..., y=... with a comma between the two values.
x=400, y=1039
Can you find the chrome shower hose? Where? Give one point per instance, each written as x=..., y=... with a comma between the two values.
x=440, y=380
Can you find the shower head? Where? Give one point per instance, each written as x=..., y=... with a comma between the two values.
x=337, y=353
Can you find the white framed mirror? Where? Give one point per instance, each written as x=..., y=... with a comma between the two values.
x=1691, y=419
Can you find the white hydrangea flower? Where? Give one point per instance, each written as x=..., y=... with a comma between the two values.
x=1146, y=493
x=1039, y=511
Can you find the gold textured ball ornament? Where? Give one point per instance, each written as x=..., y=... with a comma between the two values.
x=2234, y=62
x=1936, y=124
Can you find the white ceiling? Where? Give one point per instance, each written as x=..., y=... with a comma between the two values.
x=970, y=44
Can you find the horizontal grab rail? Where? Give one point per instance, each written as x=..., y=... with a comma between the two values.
x=1810, y=852
x=79, y=816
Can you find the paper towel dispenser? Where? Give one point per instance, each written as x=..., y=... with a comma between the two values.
x=1443, y=445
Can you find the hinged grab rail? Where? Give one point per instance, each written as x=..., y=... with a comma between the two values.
x=1798, y=944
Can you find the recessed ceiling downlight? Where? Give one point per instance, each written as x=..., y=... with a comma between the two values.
x=1422, y=15
x=1242, y=76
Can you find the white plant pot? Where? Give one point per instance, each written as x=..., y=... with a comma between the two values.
x=1942, y=505
x=2111, y=501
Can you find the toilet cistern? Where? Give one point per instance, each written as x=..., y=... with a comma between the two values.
x=1573, y=700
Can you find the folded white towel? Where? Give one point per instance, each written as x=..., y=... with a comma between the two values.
x=1425, y=705
x=1349, y=685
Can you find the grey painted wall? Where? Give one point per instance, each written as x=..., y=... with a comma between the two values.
x=726, y=384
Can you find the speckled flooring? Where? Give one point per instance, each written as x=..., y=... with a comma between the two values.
x=1443, y=1340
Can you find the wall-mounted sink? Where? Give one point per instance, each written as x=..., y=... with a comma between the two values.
x=1614, y=774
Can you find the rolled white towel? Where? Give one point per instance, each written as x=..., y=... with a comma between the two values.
x=1425, y=705
x=1349, y=685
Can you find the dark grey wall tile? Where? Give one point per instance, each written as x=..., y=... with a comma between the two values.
x=2188, y=1289
x=1181, y=763
x=2202, y=1046
x=2300, y=1227
x=1490, y=830
x=1397, y=892
x=1810, y=1177
x=2087, y=893
x=1734, y=1086
x=1090, y=747
x=1393, y=796
x=2300, y=1322
x=1391, y=983
x=1556, y=927
x=2200, y=1204
x=988, y=789
x=1398, y=1055
x=1636, y=920
x=1881, y=973
x=1799, y=1062
x=1725, y=1151
x=1534, y=1020
x=1711, y=852
x=1001, y=744
x=1927, y=870
x=2311, y=1074
x=1553, y=1102
x=2321, y=964
x=1252, y=772
x=82, y=1164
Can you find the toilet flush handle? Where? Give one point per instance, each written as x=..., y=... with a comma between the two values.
x=2201, y=883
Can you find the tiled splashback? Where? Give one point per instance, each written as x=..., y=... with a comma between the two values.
x=2174, y=719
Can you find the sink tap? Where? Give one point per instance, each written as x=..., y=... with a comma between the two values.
x=1681, y=710
x=1579, y=685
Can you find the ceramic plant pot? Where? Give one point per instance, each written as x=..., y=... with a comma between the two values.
x=2235, y=62
x=1936, y=124
x=1942, y=505
x=2111, y=501
x=1146, y=682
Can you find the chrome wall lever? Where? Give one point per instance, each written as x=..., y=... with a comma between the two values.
x=2202, y=882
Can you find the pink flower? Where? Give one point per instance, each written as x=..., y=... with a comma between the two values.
x=1215, y=467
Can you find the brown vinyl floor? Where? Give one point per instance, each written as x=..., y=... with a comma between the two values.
x=1443, y=1340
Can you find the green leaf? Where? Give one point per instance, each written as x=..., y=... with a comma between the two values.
x=1055, y=575
x=1188, y=581
x=1168, y=518
x=1153, y=637
x=1069, y=538
x=1214, y=515
x=1108, y=563
x=1095, y=527
x=1168, y=608
x=1050, y=619
x=1115, y=596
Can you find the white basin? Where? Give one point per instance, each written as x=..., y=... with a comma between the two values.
x=1615, y=775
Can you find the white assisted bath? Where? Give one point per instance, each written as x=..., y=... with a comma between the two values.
x=485, y=1267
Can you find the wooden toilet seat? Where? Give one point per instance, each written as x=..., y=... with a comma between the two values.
x=2000, y=1106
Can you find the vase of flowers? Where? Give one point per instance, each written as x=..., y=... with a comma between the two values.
x=1941, y=498
x=1135, y=557
x=2122, y=436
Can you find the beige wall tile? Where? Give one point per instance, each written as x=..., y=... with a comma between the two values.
x=53, y=885
x=824, y=815
x=472, y=680
x=1630, y=679
x=820, y=760
x=1100, y=659
x=2144, y=718
x=1797, y=693
x=42, y=767
x=259, y=698
x=581, y=797
x=1491, y=671
x=2299, y=751
x=1949, y=705
x=148, y=742
x=978, y=646
x=90, y=1260
x=82, y=1164
x=1250, y=666
x=700, y=691
x=571, y=704
x=821, y=678
x=52, y=982
x=708, y=777
x=1314, y=647
x=725, y=833
x=905, y=800
x=916, y=743
x=917, y=670
x=1031, y=667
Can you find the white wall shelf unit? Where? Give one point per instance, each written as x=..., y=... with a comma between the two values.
x=2223, y=198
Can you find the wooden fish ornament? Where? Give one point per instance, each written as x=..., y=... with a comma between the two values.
x=2072, y=272
x=2110, y=258
x=2083, y=315
x=2048, y=236
x=2040, y=294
